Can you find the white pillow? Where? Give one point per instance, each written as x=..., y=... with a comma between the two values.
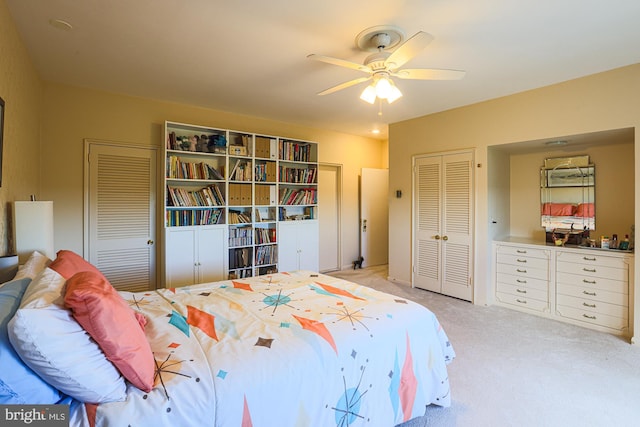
x=34, y=266
x=54, y=345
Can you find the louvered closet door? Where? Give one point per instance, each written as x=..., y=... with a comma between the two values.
x=121, y=215
x=443, y=213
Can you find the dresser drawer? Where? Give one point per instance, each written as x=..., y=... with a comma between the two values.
x=523, y=261
x=593, y=283
x=522, y=302
x=589, y=306
x=523, y=251
x=527, y=282
x=523, y=291
x=591, y=257
x=595, y=295
x=517, y=270
x=592, y=271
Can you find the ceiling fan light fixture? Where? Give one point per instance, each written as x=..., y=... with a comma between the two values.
x=369, y=94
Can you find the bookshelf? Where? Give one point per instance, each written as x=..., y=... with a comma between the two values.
x=246, y=186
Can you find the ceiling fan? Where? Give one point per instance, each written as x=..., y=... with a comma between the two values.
x=385, y=63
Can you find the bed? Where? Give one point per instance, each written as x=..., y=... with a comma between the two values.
x=289, y=349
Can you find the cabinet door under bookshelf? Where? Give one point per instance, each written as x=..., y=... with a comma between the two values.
x=246, y=183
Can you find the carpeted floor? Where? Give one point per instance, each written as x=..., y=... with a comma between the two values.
x=516, y=369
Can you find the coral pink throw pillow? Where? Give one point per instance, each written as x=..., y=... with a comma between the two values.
x=102, y=312
x=68, y=263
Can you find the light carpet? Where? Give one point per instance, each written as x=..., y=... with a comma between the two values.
x=517, y=369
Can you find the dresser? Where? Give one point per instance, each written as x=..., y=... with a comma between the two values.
x=587, y=287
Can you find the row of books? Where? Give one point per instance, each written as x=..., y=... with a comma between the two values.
x=181, y=218
x=176, y=168
x=240, y=274
x=240, y=236
x=298, y=175
x=265, y=235
x=240, y=257
x=265, y=172
x=237, y=217
x=241, y=171
x=297, y=213
x=207, y=196
x=303, y=196
x=266, y=255
x=295, y=151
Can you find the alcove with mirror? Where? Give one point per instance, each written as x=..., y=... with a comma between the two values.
x=567, y=199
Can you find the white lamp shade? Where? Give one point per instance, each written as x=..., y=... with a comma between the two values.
x=383, y=88
x=33, y=228
x=394, y=93
x=369, y=94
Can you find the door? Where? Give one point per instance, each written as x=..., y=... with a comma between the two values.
x=374, y=216
x=120, y=226
x=211, y=254
x=180, y=253
x=443, y=224
x=298, y=245
x=329, y=178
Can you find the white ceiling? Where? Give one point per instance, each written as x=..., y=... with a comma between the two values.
x=249, y=56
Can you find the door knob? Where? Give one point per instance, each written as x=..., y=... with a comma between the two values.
x=445, y=238
x=149, y=242
x=437, y=237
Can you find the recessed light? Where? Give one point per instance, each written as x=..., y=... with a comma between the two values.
x=60, y=24
x=375, y=131
x=556, y=143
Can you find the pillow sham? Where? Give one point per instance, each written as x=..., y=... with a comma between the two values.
x=54, y=345
x=586, y=210
x=102, y=312
x=558, y=209
x=19, y=385
x=34, y=265
x=68, y=263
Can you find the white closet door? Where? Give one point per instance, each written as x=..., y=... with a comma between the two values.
x=427, y=206
x=443, y=224
x=457, y=226
x=121, y=200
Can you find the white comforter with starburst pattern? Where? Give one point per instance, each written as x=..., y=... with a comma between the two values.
x=288, y=349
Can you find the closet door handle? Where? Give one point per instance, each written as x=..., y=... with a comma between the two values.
x=445, y=238
x=437, y=237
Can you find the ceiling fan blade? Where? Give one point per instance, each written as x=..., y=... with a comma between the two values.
x=344, y=85
x=429, y=74
x=339, y=62
x=408, y=50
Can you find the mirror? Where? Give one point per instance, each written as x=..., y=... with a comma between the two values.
x=567, y=194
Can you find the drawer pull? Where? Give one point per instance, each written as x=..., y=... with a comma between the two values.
x=586, y=258
x=521, y=271
x=589, y=317
x=521, y=281
x=589, y=305
x=521, y=260
x=591, y=294
x=522, y=291
x=589, y=270
x=520, y=251
x=591, y=282
x=521, y=301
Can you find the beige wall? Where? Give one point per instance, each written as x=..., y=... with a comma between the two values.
x=604, y=101
x=72, y=114
x=21, y=89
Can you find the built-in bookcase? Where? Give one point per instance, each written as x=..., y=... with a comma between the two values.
x=245, y=184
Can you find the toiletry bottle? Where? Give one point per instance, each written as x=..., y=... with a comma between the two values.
x=614, y=242
x=624, y=245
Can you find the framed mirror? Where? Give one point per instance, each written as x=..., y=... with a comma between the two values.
x=567, y=195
